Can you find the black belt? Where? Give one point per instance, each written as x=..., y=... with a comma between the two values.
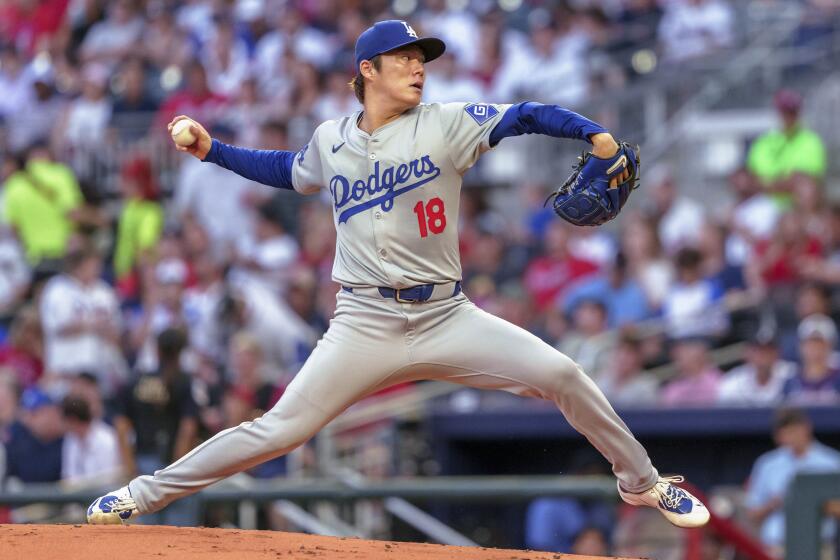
x=414, y=294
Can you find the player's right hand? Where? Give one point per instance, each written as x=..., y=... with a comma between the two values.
x=203, y=142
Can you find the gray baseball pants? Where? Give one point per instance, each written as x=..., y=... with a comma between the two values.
x=373, y=343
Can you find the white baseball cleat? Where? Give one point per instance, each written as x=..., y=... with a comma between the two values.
x=676, y=504
x=113, y=508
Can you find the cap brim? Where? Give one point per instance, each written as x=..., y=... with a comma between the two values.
x=432, y=47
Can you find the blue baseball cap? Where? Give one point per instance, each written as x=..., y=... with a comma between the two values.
x=34, y=398
x=392, y=34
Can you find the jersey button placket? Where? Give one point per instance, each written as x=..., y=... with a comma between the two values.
x=377, y=214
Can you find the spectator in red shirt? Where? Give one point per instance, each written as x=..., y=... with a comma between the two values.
x=252, y=390
x=23, y=352
x=549, y=276
x=29, y=24
x=778, y=259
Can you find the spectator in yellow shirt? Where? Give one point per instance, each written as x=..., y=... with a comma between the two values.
x=41, y=202
x=141, y=220
x=777, y=155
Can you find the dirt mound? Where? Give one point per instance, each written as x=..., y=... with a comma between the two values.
x=85, y=542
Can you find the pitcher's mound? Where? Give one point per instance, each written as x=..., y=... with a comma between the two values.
x=83, y=542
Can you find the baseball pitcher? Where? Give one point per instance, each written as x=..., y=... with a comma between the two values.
x=393, y=172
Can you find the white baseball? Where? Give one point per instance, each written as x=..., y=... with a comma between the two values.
x=181, y=133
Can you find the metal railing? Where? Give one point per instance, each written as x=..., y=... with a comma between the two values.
x=466, y=488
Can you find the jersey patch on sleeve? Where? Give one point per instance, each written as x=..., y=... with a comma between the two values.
x=481, y=112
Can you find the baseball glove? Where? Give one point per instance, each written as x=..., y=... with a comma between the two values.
x=597, y=189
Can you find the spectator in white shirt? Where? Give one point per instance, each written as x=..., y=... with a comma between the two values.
x=308, y=42
x=196, y=17
x=753, y=218
x=14, y=271
x=557, y=58
x=760, y=380
x=225, y=57
x=692, y=28
x=81, y=322
x=646, y=260
x=447, y=82
x=88, y=115
x=270, y=64
x=593, y=244
x=338, y=99
x=15, y=82
x=285, y=338
x=589, y=342
x=681, y=219
x=90, y=453
x=112, y=39
x=35, y=119
x=163, y=42
x=269, y=255
x=224, y=214
x=250, y=112
x=163, y=293
x=458, y=28
x=201, y=307
x=694, y=304
x=623, y=380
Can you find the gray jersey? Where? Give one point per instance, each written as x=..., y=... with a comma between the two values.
x=396, y=192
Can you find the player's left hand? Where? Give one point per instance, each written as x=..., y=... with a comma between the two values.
x=598, y=188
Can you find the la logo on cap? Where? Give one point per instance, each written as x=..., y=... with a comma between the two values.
x=409, y=30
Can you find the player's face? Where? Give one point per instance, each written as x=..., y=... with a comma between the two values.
x=402, y=75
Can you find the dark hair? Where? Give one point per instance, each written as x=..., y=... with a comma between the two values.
x=593, y=302
x=620, y=261
x=272, y=212
x=39, y=144
x=88, y=378
x=276, y=126
x=358, y=82
x=170, y=343
x=630, y=339
x=688, y=258
x=785, y=417
x=78, y=255
x=821, y=289
x=76, y=408
x=193, y=65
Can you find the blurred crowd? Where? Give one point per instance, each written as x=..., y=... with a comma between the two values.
x=149, y=300
x=98, y=64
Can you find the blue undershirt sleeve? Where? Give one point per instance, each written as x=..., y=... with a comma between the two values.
x=535, y=118
x=269, y=167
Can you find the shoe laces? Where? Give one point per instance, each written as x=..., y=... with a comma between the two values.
x=672, y=495
x=123, y=504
